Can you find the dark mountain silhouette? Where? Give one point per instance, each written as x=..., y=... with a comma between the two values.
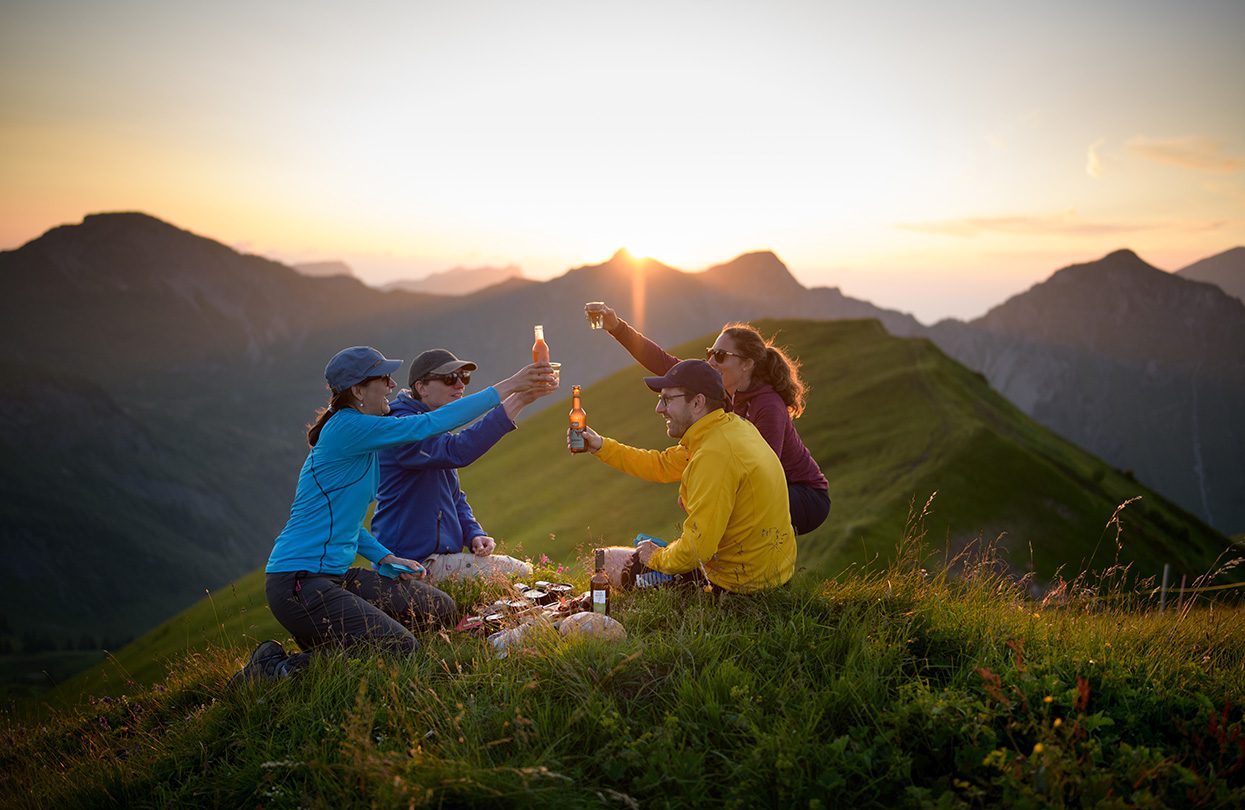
x=458, y=280
x=213, y=361
x=1142, y=367
x=332, y=268
x=1225, y=270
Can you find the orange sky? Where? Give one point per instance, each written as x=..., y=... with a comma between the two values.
x=933, y=159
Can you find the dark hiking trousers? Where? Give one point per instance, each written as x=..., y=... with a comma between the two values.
x=809, y=507
x=360, y=606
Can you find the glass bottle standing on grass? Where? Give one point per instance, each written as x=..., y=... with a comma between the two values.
x=579, y=421
x=600, y=586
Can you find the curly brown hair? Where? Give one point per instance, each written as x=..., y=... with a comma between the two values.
x=771, y=364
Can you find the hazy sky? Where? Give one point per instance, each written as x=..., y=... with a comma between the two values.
x=931, y=157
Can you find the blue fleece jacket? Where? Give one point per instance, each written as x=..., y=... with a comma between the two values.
x=420, y=508
x=339, y=479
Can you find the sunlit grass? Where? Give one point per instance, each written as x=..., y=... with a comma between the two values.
x=906, y=686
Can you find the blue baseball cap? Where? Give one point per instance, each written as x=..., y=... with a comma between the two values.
x=354, y=365
x=694, y=376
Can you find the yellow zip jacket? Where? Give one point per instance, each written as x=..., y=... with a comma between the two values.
x=732, y=485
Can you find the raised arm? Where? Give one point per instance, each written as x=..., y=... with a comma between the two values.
x=646, y=352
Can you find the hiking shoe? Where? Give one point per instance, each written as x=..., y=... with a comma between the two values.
x=266, y=664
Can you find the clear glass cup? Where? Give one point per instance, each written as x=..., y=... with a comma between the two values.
x=596, y=314
x=557, y=372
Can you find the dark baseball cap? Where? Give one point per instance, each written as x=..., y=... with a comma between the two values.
x=694, y=376
x=437, y=361
x=354, y=365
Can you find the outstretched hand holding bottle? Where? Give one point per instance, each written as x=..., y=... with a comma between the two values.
x=592, y=441
x=535, y=380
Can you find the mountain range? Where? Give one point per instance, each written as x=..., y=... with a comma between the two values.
x=1225, y=270
x=1139, y=366
x=458, y=280
x=157, y=383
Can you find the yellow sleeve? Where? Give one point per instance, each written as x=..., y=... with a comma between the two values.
x=662, y=466
x=709, y=497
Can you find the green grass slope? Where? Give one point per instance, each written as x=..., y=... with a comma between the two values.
x=889, y=420
x=900, y=689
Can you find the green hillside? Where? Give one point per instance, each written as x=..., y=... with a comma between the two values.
x=903, y=688
x=890, y=420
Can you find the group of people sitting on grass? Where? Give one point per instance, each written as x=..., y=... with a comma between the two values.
x=747, y=483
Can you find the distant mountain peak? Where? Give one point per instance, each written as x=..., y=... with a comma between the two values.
x=760, y=272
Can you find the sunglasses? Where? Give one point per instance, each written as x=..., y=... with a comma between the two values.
x=451, y=378
x=664, y=399
x=720, y=355
x=388, y=380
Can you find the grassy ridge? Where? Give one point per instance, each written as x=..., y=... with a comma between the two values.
x=897, y=689
x=889, y=419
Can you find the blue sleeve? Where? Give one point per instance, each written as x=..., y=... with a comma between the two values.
x=370, y=547
x=366, y=434
x=467, y=519
x=454, y=450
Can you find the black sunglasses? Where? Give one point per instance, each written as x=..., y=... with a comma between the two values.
x=388, y=380
x=720, y=355
x=451, y=378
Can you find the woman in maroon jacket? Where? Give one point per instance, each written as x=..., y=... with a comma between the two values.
x=767, y=391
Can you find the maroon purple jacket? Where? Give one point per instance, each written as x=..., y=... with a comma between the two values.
x=761, y=405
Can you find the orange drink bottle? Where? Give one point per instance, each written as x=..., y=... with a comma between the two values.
x=579, y=421
x=540, y=349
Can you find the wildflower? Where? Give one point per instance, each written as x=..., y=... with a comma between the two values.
x=1038, y=748
x=544, y=559
x=1058, y=722
x=1037, y=615
x=1048, y=699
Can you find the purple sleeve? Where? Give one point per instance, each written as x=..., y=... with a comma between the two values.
x=770, y=417
x=646, y=352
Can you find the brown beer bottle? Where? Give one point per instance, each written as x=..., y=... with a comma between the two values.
x=600, y=586
x=579, y=421
x=540, y=349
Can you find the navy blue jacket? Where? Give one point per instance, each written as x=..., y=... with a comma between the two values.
x=420, y=507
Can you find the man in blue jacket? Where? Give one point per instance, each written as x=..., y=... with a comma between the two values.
x=421, y=510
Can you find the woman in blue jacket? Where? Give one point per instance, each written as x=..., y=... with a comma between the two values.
x=311, y=588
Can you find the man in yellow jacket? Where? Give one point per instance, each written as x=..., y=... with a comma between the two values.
x=738, y=529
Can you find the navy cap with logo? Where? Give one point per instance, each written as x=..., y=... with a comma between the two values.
x=437, y=361
x=354, y=365
x=695, y=377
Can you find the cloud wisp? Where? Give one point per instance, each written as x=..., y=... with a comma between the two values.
x=1187, y=151
x=1064, y=223
x=1093, y=161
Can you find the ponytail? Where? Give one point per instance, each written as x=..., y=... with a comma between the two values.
x=337, y=402
x=771, y=365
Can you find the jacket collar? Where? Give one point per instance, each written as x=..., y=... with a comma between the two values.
x=700, y=430
x=404, y=403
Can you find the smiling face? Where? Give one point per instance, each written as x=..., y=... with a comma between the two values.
x=372, y=395
x=674, y=405
x=441, y=389
x=736, y=370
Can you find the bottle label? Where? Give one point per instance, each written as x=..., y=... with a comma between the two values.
x=598, y=601
x=577, y=439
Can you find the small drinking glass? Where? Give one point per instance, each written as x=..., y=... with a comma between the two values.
x=557, y=372
x=596, y=314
